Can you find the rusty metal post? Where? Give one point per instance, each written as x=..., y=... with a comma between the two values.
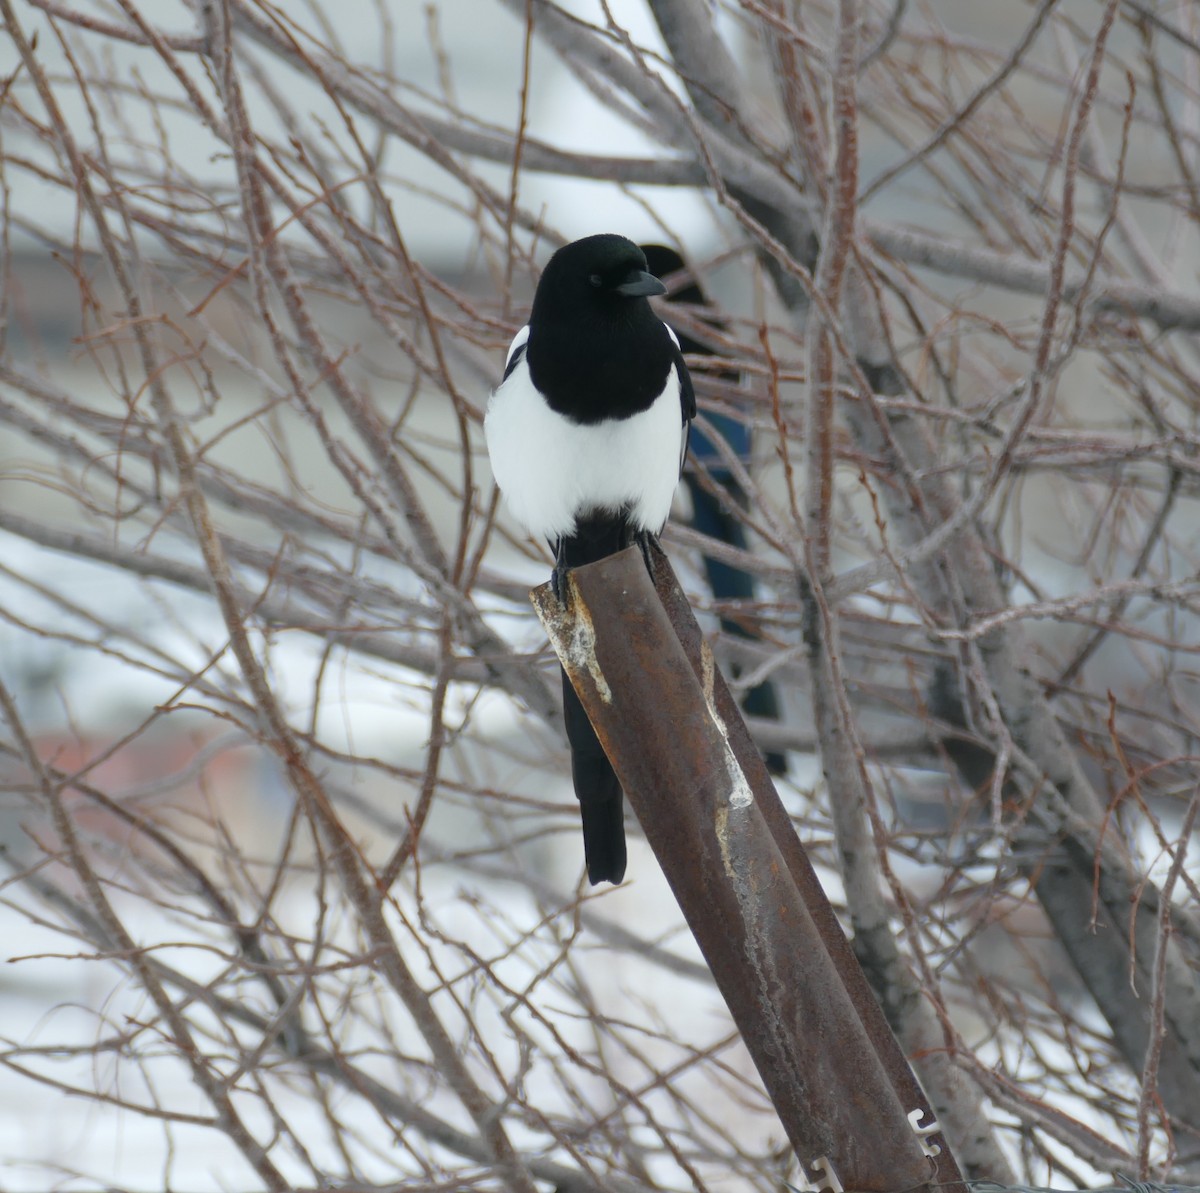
x=702, y=811
x=887, y=1047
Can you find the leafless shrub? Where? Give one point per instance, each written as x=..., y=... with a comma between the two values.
x=250, y=531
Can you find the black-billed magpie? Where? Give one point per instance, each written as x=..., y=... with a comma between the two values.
x=586, y=434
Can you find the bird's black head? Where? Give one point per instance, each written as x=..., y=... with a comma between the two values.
x=596, y=349
x=590, y=277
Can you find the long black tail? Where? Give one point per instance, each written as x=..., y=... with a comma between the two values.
x=601, y=801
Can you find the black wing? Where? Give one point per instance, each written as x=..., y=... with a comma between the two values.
x=687, y=395
x=687, y=404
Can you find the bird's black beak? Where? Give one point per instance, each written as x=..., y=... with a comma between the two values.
x=640, y=284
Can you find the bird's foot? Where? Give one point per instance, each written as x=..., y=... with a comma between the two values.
x=558, y=582
x=558, y=577
x=645, y=541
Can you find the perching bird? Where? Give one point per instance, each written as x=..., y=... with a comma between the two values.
x=586, y=434
x=715, y=515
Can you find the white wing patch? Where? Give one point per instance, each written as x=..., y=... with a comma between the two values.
x=520, y=339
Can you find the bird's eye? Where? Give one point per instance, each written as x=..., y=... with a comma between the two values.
x=596, y=280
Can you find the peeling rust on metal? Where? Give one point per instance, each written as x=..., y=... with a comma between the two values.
x=740, y=795
x=581, y=646
x=723, y=839
x=572, y=634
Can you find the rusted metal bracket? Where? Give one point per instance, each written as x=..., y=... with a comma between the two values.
x=924, y=1132
x=822, y=1179
x=673, y=732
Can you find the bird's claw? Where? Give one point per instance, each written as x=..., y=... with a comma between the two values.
x=645, y=540
x=558, y=582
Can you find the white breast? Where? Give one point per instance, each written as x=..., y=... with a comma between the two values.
x=551, y=470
